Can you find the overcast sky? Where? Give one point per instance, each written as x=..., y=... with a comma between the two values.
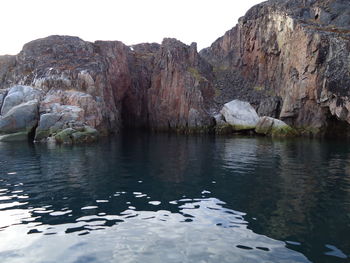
x=130, y=21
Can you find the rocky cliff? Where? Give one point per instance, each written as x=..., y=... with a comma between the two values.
x=289, y=58
x=74, y=86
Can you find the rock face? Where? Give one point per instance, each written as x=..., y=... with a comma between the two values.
x=18, y=95
x=273, y=127
x=290, y=59
x=240, y=114
x=101, y=86
x=180, y=91
x=20, y=120
x=293, y=51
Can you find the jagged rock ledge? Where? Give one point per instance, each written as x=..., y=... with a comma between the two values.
x=286, y=60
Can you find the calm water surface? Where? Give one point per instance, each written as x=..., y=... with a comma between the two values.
x=161, y=198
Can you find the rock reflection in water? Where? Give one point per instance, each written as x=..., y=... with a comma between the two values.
x=160, y=190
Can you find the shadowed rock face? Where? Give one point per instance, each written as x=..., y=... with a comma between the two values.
x=289, y=58
x=180, y=91
x=296, y=52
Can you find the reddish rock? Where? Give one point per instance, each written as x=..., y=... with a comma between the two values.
x=181, y=94
x=293, y=50
x=287, y=58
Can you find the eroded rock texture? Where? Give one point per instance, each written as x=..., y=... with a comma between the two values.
x=290, y=59
x=180, y=93
x=103, y=85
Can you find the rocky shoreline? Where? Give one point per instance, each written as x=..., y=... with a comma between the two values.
x=284, y=70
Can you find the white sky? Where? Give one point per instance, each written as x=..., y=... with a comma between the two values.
x=130, y=21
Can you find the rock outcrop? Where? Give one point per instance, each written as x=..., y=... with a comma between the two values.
x=290, y=59
x=180, y=92
x=101, y=86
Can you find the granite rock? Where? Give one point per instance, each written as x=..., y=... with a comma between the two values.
x=240, y=114
x=274, y=127
x=18, y=95
x=296, y=50
x=21, y=118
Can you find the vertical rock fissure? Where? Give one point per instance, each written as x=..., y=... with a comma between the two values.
x=32, y=133
x=2, y=101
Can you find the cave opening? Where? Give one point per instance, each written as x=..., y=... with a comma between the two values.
x=133, y=117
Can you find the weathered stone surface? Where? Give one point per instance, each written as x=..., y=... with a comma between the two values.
x=3, y=93
x=14, y=137
x=85, y=135
x=294, y=49
x=219, y=119
x=77, y=136
x=74, y=106
x=18, y=95
x=49, y=124
x=270, y=107
x=240, y=114
x=274, y=127
x=21, y=118
x=64, y=65
x=7, y=63
x=65, y=136
x=97, y=84
x=288, y=58
x=180, y=92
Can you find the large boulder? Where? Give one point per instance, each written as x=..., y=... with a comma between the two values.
x=274, y=127
x=20, y=120
x=240, y=114
x=17, y=95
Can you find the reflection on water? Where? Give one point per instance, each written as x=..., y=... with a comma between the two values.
x=160, y=198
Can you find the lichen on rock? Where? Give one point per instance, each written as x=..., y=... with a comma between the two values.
x=76, y=136
x=274, y=127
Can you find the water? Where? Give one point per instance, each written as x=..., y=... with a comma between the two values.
x=161, y=198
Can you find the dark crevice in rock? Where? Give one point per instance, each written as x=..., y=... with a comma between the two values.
x=32, y=133
x=3, y=100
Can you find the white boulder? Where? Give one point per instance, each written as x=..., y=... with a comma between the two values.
x=240, y=114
